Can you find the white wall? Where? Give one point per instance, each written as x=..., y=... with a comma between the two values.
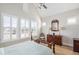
x=70, y=31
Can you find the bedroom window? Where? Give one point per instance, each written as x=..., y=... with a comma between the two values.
x=23, y=28
x=34, y=28
x=14, y=27
x=6, y=28
x=27, y=26
x=9, y=25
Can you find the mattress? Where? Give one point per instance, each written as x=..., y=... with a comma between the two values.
x=26, y=48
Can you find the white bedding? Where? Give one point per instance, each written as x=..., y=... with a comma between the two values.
x=26, y=48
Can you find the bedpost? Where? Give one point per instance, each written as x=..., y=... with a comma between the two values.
x=53, y=41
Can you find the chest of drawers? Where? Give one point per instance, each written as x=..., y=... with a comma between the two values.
x=76, y=45
x=57, y=39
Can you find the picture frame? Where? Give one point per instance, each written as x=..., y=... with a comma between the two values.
x=55, y=25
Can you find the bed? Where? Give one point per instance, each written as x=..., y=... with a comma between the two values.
x=26, y=48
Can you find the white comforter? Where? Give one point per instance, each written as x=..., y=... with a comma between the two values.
x=26, y=48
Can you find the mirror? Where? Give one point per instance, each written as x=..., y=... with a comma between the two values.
x=55, y=25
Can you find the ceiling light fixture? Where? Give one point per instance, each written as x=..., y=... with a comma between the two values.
x=42, y=5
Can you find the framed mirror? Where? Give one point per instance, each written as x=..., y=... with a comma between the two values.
x=55, y=25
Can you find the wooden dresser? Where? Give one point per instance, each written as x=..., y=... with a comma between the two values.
x=58, y=39
x=76, y=45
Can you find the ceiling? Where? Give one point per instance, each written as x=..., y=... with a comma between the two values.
x=55, y=8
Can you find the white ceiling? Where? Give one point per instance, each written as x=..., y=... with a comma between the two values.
x=55, y=8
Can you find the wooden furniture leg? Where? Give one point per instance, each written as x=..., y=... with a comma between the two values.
x=54, y=48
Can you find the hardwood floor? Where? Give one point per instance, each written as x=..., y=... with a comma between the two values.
x=64, y=50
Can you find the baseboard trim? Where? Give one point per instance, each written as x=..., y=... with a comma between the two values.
x=67, y=44
x=13, y=42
